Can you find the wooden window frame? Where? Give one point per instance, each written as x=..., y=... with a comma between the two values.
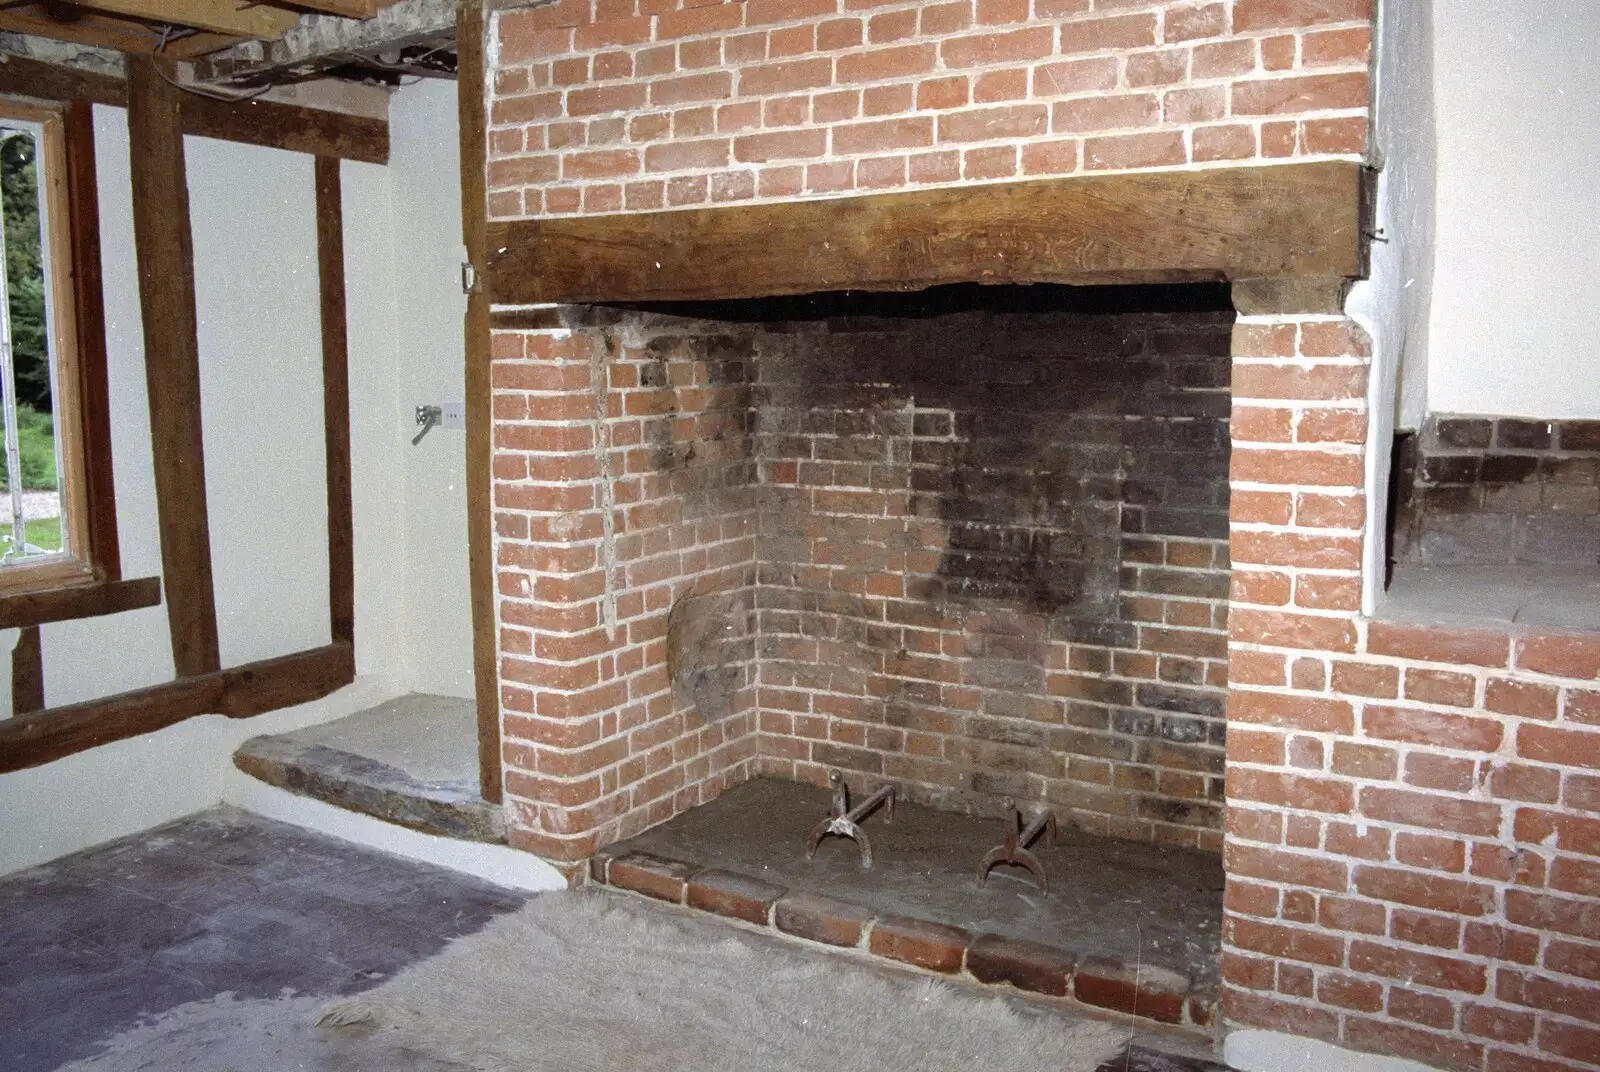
x=79, y=399
x=158, y=118
x=84, y=580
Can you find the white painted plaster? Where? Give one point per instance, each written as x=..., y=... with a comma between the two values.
x=1274, y=1051
x=1513, y=326
x=377, y=443
x=128, y=786
x=253, y=213
x=101, y=656
x=256, y=289
x=492, y=863
x=1393, y=303
x=426, y=180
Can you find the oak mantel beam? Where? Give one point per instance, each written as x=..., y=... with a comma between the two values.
x=1294, y=220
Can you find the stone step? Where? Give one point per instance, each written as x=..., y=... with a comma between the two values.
x=412, y=761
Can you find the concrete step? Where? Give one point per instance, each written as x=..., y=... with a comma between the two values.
x=412, y=761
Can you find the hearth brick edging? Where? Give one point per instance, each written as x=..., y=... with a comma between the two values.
x=1100, y=982
x=1413, y=837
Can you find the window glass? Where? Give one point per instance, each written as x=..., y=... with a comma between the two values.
x=31, y=504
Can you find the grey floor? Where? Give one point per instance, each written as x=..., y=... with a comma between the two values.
x=1134, y=902
x=95, y=943
x=123, y=958
x=1557, y=597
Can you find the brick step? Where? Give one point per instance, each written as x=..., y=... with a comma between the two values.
x=1144, y=991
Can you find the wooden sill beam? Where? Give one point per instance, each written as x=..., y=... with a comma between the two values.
x=78, y=601
x=31, y=740
x=1147, y=227
x=316, y=131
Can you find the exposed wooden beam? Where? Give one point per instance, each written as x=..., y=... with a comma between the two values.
x=1290, y=295
x=1151, y=227
x=98, y=31
x=349, y=9
x=471, y=112
x=78, y=601
x=240, y=692
x=322, y=42
x=88, y=302
x=165, y=249
x=238, y=17
x=21, y=76
x=285, y=126
x=105, y=31
x=258, y=122
x=336, y=400
x=27, y=673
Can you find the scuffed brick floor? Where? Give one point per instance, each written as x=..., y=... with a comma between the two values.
x=1126, y=927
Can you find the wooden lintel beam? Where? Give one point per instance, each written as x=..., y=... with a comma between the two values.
x=165, y=250
x=239, y=692
x=316, y=131
x=218, y=16
x=472, y=111
x=1146, y=227
x=336, y=400
x=1290, y=296
x=78, y=601
x=24, y=77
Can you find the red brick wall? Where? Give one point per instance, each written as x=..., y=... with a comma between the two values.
x=650, y=426
x=993, y=562
x=1413, y=843
x=634, y=105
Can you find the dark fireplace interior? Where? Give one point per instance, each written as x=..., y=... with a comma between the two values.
x=970, y=543
x=991, y=540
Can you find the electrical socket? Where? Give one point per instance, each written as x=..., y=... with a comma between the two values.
x=453, y=415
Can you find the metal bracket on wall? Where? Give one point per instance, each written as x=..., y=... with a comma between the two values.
x=429, y=417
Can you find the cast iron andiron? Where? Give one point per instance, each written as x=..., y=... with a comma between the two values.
x=1018, y=838
x=846, y=821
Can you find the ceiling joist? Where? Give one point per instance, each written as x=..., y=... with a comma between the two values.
x=250, y=44
x=240, y=18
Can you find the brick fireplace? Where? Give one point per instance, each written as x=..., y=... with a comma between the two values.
x=1098, y=547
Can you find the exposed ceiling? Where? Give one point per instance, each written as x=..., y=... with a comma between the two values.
x=246, y=44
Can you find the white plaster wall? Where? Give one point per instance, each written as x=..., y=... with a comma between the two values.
x=101, y=656
x=377, y=443
x=1397, y=298
x=1513, y=324
x=1394, y=303
x=253, y=213
x=256, y=291
x=131, y=785
x=425, y=178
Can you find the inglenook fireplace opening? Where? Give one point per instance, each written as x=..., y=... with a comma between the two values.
x=970, y=543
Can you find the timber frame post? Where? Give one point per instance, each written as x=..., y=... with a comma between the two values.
x=471, y=27
x=165, y=247
x=158, y=118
